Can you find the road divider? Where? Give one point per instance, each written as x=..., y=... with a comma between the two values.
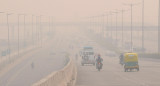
x=64, y=77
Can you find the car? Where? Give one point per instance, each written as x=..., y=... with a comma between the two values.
x=87, y=56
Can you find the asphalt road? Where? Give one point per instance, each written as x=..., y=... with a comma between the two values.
x=52, y=58
x=45, y=60
x=113, y=73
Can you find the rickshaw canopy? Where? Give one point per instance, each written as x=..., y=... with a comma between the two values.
x=130, y=57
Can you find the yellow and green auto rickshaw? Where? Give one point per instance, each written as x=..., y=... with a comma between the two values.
x=131, y=62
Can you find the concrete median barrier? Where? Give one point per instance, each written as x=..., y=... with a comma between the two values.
x=64, y=77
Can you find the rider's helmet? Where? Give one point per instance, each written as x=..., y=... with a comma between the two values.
x=99, y=56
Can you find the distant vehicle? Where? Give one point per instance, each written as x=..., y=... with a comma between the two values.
x=130, y=61
x=87, y=56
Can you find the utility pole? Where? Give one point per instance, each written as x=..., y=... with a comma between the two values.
x=90, y=23
x=107, y=26
x=116, y=24
x=24, y=31
x=131, y=6
x=122, y=27
x=131, y=29
x=111, y=25
x=32, y=31
x=41, y=30
x=103, y=25
x=94, y=24
x=18, y=34
x=159, y=30
x=8, y=35
x=116, y=27
x=142, y=25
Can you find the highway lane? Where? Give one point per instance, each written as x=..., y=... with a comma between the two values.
x=44, y=61
x=51, y=58
x=113, y=73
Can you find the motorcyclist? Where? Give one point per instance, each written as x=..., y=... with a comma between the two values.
x=99, y=60
x=121, y=58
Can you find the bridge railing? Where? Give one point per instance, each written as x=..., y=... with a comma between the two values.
x=64, y=77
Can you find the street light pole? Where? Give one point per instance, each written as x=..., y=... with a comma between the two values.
x=159, y=30
x=18, y=32
x=111, y=25
x=116, y=27
x=142, y=24
x=41, y=30
x=32, y=30
x=18, y=35
x=8, y=34
x=107, y=26
x=36, y=40
x=131, y=29
x=103, y=25
x=131, y=6
x=24, y=31
x=116, y=24
x=122, y=27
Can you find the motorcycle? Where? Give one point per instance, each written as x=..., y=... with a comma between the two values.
x=99, y=66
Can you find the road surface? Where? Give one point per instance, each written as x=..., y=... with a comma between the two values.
x=113, y=73
x=45, y=60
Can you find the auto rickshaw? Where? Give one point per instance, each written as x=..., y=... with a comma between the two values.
x=131, y=61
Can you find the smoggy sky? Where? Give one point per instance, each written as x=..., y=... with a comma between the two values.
x=72, y=9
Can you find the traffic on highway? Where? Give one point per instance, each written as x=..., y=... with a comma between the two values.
x=80, y=43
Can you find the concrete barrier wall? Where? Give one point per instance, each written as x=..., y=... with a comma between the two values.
x=64, y=77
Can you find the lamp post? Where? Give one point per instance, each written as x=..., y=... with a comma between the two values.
x=142, y=25
x=103, y=24
x=111, y=24
x=37, y=30
x=122, y=11
x=159, y=30
x=107, y=24
x=36, y=40
x=116, y=23
x=94, y=22
x=122, y=27
x=8, y=33
x=24, y=30
x=41, y=30
x=18, y=32
x=32, y=30
x=131, y=6
x=1, y=12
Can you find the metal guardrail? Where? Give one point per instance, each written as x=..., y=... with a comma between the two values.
x=65, y=77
